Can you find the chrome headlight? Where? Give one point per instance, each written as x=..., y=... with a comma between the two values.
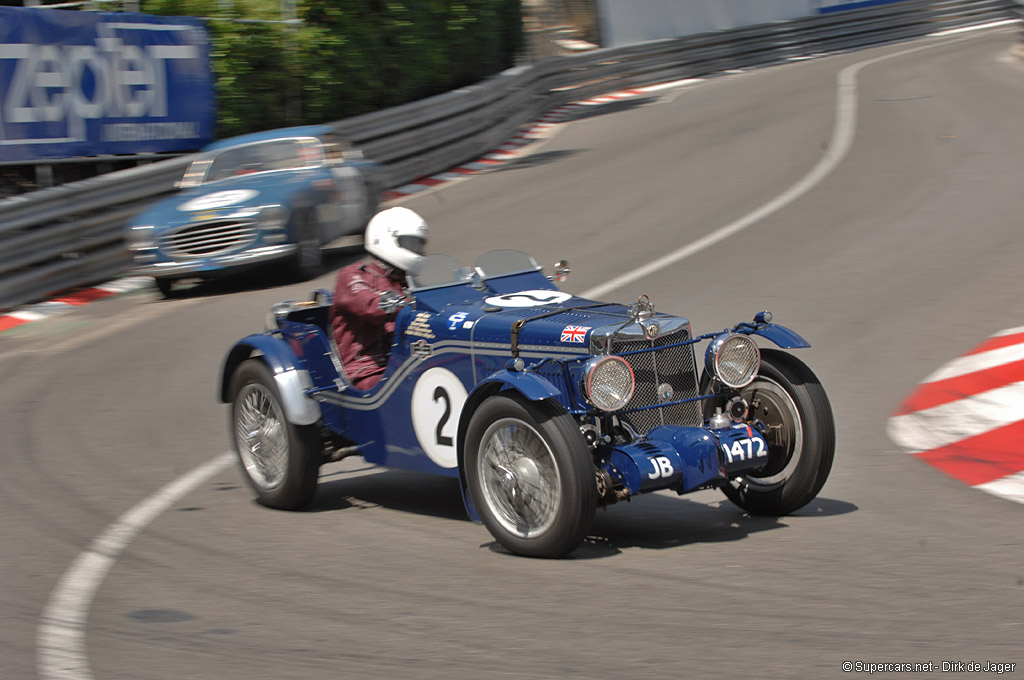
x=272, y=221
x=608, y=383
x=139, y=238
x=734, y=359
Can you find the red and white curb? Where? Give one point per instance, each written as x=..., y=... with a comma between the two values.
x=967, y=418
x=71, y=300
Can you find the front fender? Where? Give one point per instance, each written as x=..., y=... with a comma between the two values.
x=783, y=337
x=291, y=378
x=530, y=385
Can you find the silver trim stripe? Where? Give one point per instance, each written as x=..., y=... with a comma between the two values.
x=377, y=399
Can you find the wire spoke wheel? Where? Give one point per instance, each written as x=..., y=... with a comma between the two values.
x=280, y=460
x=775, y=413
x=261, y=437
x=529, y=475
x=788, y=405
x=519, y=478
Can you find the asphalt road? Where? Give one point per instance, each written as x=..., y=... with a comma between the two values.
x=903, y=256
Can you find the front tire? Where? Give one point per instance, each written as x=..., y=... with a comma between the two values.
x=309, y=259
x=790, y=407
x=530, y=476
x=280, y=460
x=165, y=286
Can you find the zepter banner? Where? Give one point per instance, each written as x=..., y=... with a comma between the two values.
x=94, y=83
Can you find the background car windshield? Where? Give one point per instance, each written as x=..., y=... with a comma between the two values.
x=279, y=154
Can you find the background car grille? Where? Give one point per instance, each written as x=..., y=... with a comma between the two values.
x=207, y=239
x=674, y=366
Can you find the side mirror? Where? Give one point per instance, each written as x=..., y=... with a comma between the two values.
x=562, y=271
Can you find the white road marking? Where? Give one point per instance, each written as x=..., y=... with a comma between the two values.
x=839, y=146
x=946, y=424
x=60, y=641
x=60, y=638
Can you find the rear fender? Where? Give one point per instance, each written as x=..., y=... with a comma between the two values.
x=529, y=385
x=292, y=380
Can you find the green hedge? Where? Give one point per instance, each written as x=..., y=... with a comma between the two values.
x=347, y=56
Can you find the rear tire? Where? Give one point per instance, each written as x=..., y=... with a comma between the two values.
x=530, y=476
x=789, y=405
x=280, y=460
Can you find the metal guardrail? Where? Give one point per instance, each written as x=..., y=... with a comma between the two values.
x=70, y=235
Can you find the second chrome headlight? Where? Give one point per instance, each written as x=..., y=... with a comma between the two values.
x=609, y=383
x=733, y=359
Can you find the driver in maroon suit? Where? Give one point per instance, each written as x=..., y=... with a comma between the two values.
x=365, y=298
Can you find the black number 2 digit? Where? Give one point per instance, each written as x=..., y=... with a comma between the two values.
x=439, y=394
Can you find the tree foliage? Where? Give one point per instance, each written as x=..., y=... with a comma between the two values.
x=345, y=57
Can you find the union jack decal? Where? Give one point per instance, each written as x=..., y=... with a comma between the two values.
x=574, y=333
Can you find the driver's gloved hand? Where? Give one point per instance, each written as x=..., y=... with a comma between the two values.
x=390, y=301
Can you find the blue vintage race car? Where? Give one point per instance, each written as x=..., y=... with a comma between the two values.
x=543, y=404
x=277, y=195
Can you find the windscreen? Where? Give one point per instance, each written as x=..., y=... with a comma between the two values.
x=501, y=262
x=438, y=270
x=278, y=154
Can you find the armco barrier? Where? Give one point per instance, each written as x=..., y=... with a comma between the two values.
x=70, y=235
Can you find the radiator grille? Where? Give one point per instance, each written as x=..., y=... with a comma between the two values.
x=209, y=238
x=674, y=366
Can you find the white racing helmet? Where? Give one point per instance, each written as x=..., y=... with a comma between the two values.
x=397, y=236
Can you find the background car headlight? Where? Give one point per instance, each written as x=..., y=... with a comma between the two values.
x=139, y=238
x=609, y=383
x=733, y=359
x=272, y=221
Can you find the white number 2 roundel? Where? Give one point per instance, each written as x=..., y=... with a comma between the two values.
x=529, y=298
x=437, y=402
x=218, y=199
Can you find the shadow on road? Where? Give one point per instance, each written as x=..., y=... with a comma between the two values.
x=402, y=490
x=594, y=110
x=653, y=522
x=535, y=159
x=825, y=507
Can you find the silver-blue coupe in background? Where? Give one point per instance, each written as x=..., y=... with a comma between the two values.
x=276, y=195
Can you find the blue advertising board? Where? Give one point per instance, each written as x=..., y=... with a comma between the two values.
x=95, y=83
